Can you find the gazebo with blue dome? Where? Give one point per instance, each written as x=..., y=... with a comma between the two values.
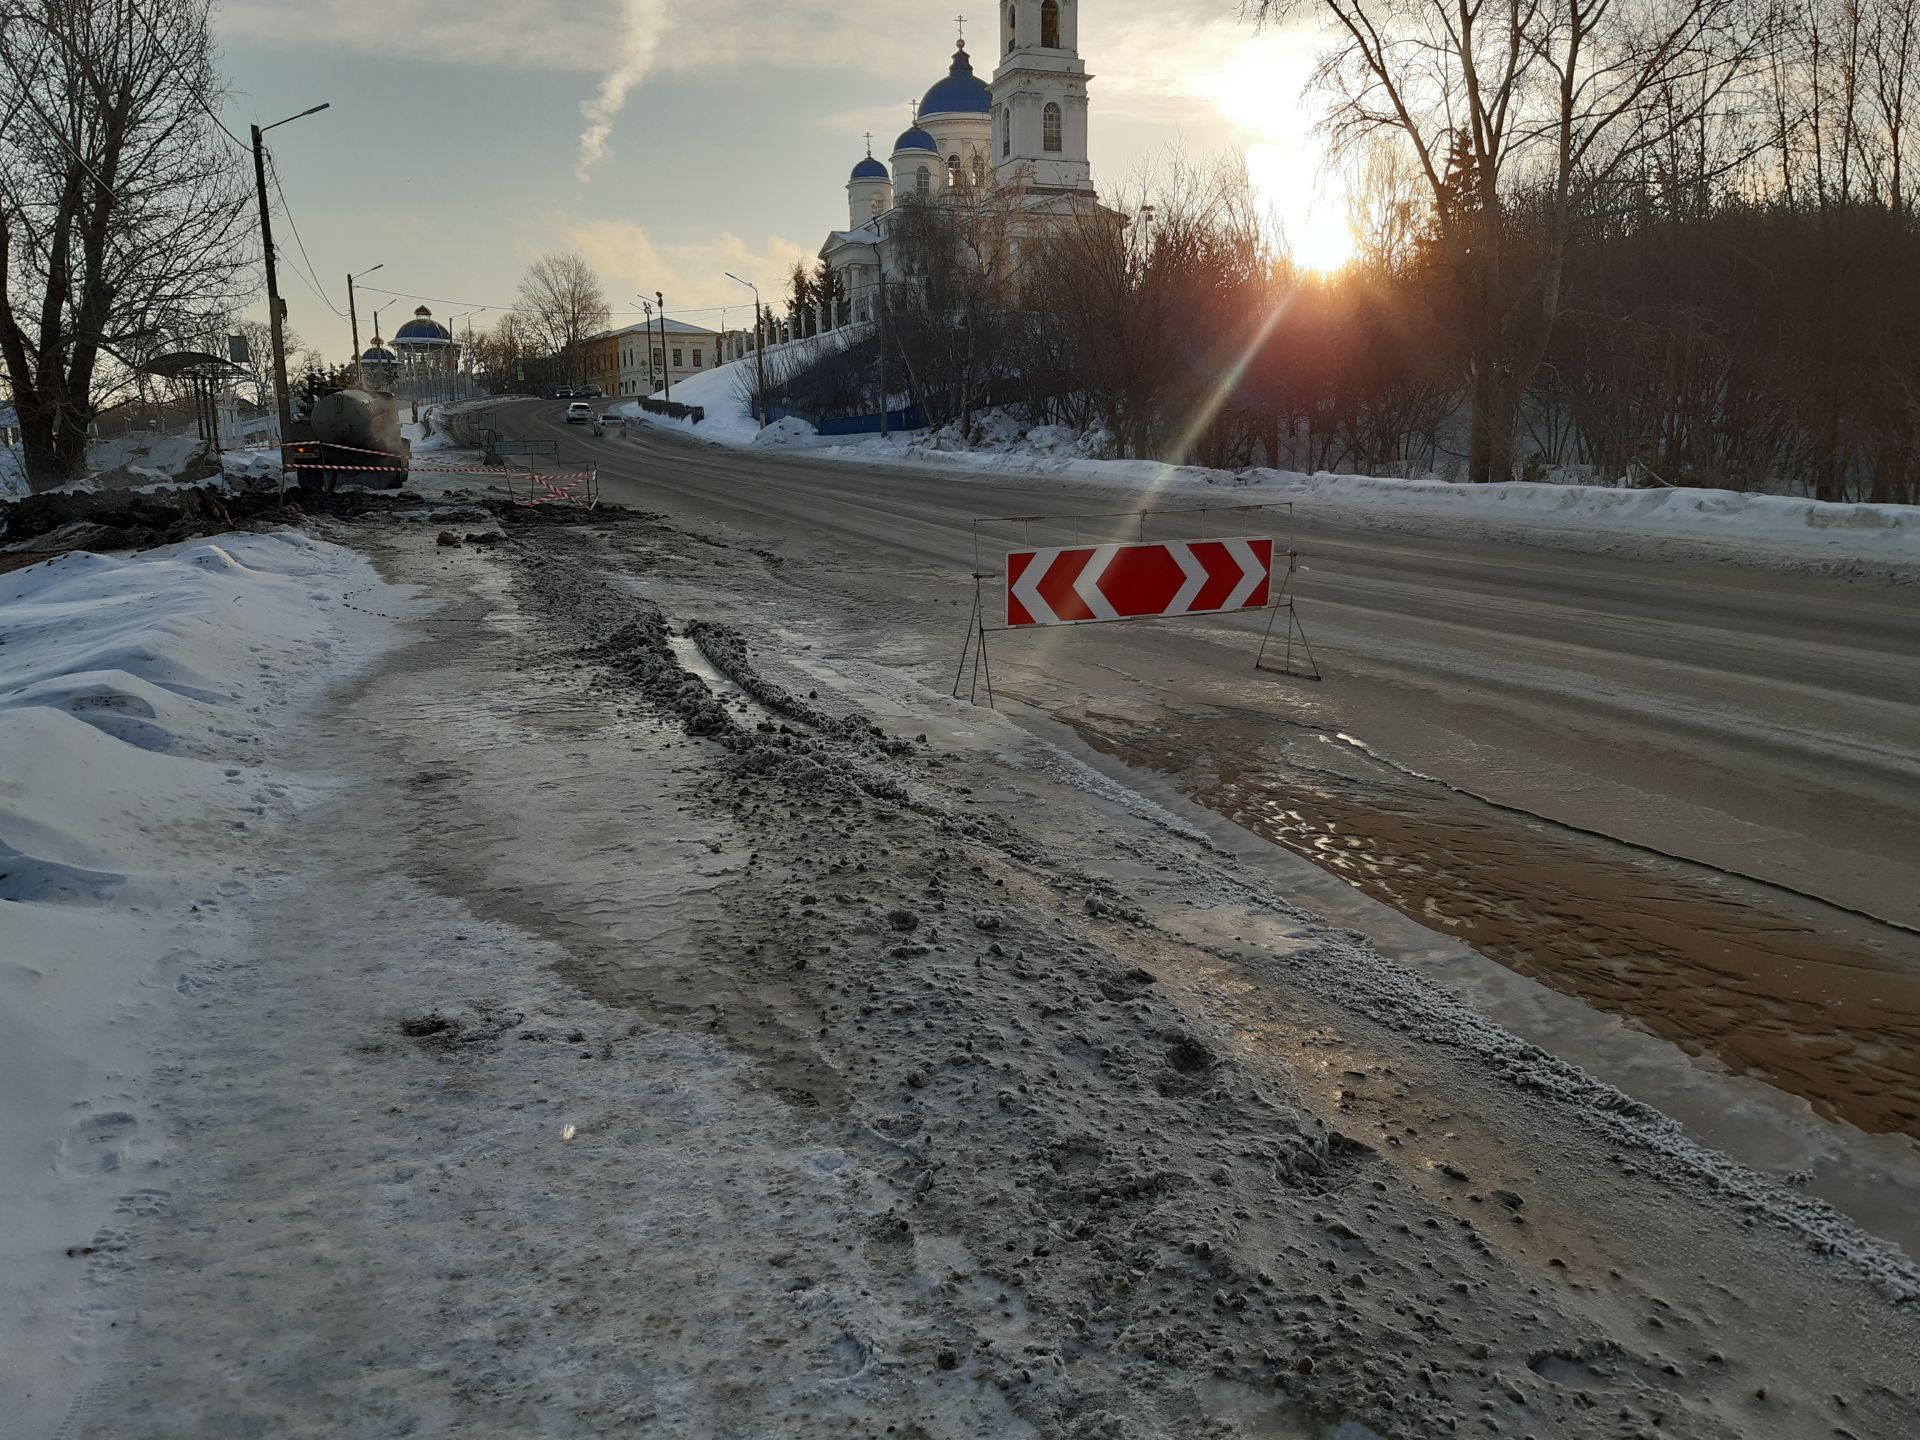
x=379, y=364
x=426, y=352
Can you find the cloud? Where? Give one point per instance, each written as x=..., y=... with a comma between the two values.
x=639, y=42
x=693, y=275
x=514, y=34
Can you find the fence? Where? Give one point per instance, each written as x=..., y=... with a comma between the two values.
x=674, y=410
x=909, y=418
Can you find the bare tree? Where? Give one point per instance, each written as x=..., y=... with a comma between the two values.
x=257, y=369
x=560, y=305
x=123, y=216
x=1535, y=107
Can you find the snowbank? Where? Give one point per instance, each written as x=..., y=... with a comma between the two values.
x=137, y=696
x=1729, y=515
x=1000, y=447
x=729, y=419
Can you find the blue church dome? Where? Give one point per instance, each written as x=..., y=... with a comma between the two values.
x=914, y=138
x=378, y=354
x=961, y=93
x=422, y=330
x=869, y=169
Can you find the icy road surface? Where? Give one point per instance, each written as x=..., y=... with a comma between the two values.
x=625, y=1042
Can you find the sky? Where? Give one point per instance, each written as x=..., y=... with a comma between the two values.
x=670, y=141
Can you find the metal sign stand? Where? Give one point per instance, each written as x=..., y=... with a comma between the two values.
x=973, y=644
x=976, y=640
x=1284, y=601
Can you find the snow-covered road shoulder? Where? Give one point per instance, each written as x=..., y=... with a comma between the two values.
x=1767, y=528
x=140, y=698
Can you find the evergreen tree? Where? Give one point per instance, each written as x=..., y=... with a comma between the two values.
x=800, y=300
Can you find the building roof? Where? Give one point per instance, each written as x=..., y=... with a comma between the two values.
x=914, y=138
x=869, y=169
x=678, y=328
x=377, y=354
x=961, y=92
x=422, y=331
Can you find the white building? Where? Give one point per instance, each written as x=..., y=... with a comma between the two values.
x=639, y=358
x=1018, y=145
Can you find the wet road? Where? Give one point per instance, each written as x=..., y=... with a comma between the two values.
x=1761, y=724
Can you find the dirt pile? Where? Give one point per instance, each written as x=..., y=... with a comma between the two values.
x=55, y=522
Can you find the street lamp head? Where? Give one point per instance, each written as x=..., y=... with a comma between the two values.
x=323, y=105
x=661, y=298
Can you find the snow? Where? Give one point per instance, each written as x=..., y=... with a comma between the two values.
x=1002, y=447
x=501, y=1072
x=136, y=697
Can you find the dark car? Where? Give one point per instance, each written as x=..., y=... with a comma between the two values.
x=565, y=392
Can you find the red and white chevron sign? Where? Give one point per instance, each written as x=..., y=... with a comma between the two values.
x=1088, y=583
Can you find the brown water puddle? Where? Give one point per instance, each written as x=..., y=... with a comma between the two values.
x=1721, y=973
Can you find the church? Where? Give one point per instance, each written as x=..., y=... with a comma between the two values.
x=1017, y=144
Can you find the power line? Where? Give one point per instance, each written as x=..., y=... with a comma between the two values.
x=443, y=300
x=287, y=210
x=174, y=65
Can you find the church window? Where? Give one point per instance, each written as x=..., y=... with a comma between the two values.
x=1013, y=23
x=1051, y=127
x=953, y=169
x=1006, y=134
x=979, y=169
x=923, y=182
x=1050, y=25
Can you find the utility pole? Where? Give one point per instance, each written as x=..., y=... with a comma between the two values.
x=647, y=306
x=353, y=318
x=666, y=356
x=282, y=407
x=759, y=351
x=275, y=317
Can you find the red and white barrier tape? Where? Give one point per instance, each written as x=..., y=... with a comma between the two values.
x=494, y=471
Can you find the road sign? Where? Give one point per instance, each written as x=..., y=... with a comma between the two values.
x=1083, y=584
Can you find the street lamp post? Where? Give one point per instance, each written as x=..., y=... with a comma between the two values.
x=353, y=318
x=666, y=359
x=646, y=307
x=275, y=322
x=759, y=352
x=453, y=371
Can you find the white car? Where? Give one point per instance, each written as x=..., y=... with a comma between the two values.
x=579, y=413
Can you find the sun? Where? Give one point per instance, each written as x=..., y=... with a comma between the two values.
x=1265, y=91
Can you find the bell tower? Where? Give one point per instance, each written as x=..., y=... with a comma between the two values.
x=1040, y=97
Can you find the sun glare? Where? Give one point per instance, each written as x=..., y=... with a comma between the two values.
x=1264, y=91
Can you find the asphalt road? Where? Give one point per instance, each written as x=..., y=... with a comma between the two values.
x=1761, y=722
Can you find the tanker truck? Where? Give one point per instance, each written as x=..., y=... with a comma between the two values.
x=353, y=437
